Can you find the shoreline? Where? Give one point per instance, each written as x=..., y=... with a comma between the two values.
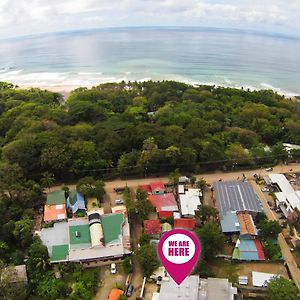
x=65, y=90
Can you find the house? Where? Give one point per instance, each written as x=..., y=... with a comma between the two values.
x=115, y=294
x=75, y=202
x=152, y=227
x=157, y=188
x=55, y=207
x=261, y=279
x=248, y=249
x=194, y=288
x=92, y=238
x=181, y=189
x=15, y=275
x=165, y=204
x=288, y=200
x=188, y=224
x=165, y=227
x=189, y=202
x=146, y=188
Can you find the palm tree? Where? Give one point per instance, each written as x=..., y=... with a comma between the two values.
x=48, y=180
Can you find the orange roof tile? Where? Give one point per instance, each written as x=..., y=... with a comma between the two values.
x=115, y=294
x=246, y=224
x=55, y=212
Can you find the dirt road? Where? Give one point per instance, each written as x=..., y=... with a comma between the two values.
x=285, y=249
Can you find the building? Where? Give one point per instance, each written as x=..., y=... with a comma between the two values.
x=55, y=207
x=154, y=188
x=288, y=200
x=189, y=202
x=157, y=188
x=15, y=275
x=115, y=294
x=246, y=225
x=261, y=279
x=96, y=237
x=216, y=288
x=165, y=227
x=236, y=196
x=152, y=227
x=165, y=204
x=188, y=224
x=75, y=202
x=194, y=288
x=230, y=223
x=248, y=250
x=289, y=147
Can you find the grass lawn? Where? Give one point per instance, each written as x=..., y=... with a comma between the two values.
x=225, y=269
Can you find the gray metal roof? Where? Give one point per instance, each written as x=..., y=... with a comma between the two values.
x=236, y=196
x=230, y=222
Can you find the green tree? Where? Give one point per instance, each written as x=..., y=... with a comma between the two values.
x=201, y=184
x=211, y=240
x=174, y=177
x=281, y=288
x=268, y=229
x=206, y=213
x=142, y=204
x=147, y=257
x=89, y=187
x=127, y=265
x=22, y=231
x=47, y=180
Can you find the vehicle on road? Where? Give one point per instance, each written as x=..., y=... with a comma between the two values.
x=119, y=201
x=269, y=169
x=129, y=290
x=270, y=203
x=265, y=189
x=113, y=268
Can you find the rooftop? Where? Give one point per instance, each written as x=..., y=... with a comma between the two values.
x=189, y=201
x=230, y=222
x=247, y=249
x=115, y=294
x=112, y=227
x=247, y=225
x=188, y=290
x=54, y=212
x=157, y=186
x=57, y=197
x=236, y=196
x=152, y=227
x=79, y=234
x=261, y=279
x=15, y=274
x=164, y=202
x=59, y=252
x=185, y=223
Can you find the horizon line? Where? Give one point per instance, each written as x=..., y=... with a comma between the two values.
x=167, y=27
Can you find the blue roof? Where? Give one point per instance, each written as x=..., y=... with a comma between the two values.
x=75, y=201
x=229, y=222
x=247, y=245
x=249, y=255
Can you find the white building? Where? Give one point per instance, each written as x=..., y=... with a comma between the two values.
x=189, y=202
x=288, y=199
x=261, y=279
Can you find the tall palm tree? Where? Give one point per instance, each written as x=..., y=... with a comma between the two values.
x=48, y=180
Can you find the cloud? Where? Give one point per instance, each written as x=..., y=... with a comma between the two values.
x=20, y=17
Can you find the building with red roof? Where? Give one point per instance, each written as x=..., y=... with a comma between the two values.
x=165, y=204
x=146, y=188
x=188, y=224
x=152, y=227
x=157, y=188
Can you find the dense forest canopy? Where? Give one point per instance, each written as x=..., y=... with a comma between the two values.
x=138, y=128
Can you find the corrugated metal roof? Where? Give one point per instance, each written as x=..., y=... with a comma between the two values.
x=236, y=196
x=57, y=197
x=230, y=222
x=112, y=225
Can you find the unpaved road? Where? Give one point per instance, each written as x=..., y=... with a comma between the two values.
x=285, y=249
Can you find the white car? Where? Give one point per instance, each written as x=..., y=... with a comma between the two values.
x=265, y=190
x=269, y=169
x=113, y=268
x=119, y=201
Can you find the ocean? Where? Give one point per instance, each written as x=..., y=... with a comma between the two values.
x=193, y=55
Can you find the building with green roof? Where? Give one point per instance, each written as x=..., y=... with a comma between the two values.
x=59, y=253
x=112, y=227
x=79, y=236
x=56, y=198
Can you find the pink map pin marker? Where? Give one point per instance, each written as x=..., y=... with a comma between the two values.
x=178, y=250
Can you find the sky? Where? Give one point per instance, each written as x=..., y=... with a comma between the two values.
x=26, y=17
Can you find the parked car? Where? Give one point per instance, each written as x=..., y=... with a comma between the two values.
x=113, y=268
x=265, y=189
x=269, y=169
x=270, y=203
x=293, y=180
x=119, y=201
x=129, y=290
